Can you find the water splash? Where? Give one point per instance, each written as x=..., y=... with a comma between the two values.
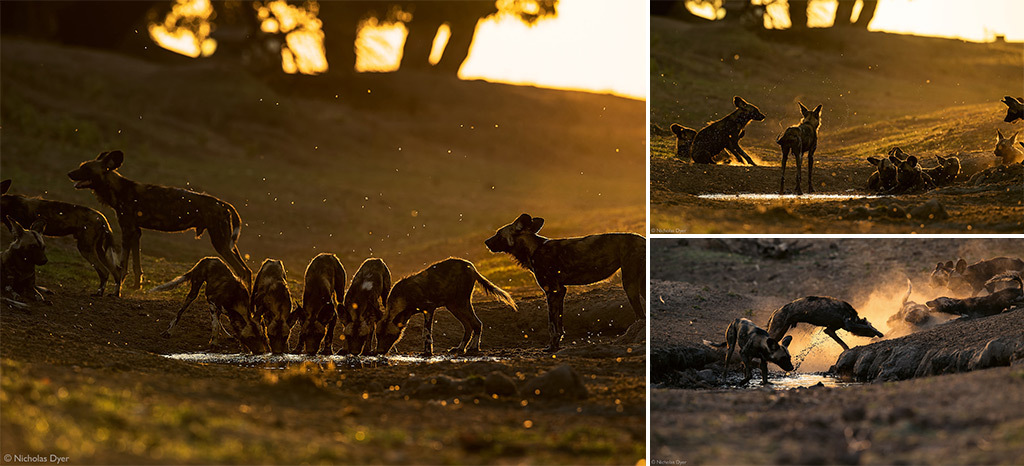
x=817, y=338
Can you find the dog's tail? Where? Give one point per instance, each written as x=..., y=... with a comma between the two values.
x=187, y=276
x=1009, y=276
x=236, y=224
x=109, y=251
x=493, y=289
x=910, y=288
x=715, y=345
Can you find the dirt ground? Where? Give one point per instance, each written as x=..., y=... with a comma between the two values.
x=700, y=285
x=407, y=167
x=928, y=96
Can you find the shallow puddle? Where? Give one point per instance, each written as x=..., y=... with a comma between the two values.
x=281, y=361
x=778, y=197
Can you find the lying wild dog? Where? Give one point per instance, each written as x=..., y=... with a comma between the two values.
x=798, y=140
x=962, y=279
x=18, y=264
x=754, y=343
x=981, y=306
x=725, y=134
x=227, y=296
x=448, y=283
x=318, y=313
x=884, y=178
x=684, y=140
x=821, y=311
x=911, y=315
x=272, y=304
x=90, y=229
x=556, y=263
x=364, y=305
x=946, y=170
x=161, y=208
x=1014, y=109
x=1007, y=150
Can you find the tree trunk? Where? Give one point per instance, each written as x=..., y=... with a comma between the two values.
x=866, y=14
x=844, y=13
x=798, y=13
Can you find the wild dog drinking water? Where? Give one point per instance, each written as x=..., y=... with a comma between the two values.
x=162, y=208
x=364, y=305
x=272, y=304
x=89, y=228
x=821, y=311
x=725, y=134
x=557, y=263
x=982, y=306
x=965, y=279
x=318, y=314
x=226, y=295
x=19, y=261
x=754, y=343
x=448, y=283
x=1014, y=109
x=1006, y=149
x=798, y=140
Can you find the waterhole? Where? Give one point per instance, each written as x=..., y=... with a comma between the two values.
x=778, y=197
x=282, y=361
x=778, y=381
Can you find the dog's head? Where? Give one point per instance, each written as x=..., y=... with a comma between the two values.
x=28, y=243
x=1006, y=148
x=747, y=110
x=684, y=139
x=90, y=172
x=940, y=276
x=812, y=117
x=1014, y=108
x=908, y=173
x=357, y=334
x=391, y=327
x=242, y=326
x=949, y=167
x=505, y=238
x=944, y=305
x=312, y=331
x=778, y=352
x=886, y=170
x=956, y=282
x=861, y=327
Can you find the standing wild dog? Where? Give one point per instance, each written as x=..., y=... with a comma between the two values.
x=556, y=263
x=830, y=313
x=272, y=304
x=161, y=208
x=448, y=283
x=90, y=228
x=962, y=279
x=318, y=314
x=226, y=296
x=1014, y=109
x=725, y=134
x=754, y=343
x=19, y=261
x=983, y=306
x=1006, y=149
x=798, y=140
x=684, y=140
x=364, y=305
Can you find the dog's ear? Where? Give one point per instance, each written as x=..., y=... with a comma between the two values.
x=803, y=110
x=5, y=186
x=15, y=227
x=38, y=226
x=961, y=266
x=1013, y=138
x=912, y=161
x=522, y=222
x=786, y=340
x=536, y=225
x=874, y=160
x=738, y=101
x=113, y=160
x=999, y=136
x=817, y=110
x=948, y=265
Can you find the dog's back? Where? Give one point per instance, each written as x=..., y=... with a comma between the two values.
x=324, y=282
x=716, y=137
x=271, y=303
x=364, y=304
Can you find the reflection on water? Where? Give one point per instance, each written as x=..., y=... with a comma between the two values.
x=281, y=361
x=798, y=380
x=776, y=197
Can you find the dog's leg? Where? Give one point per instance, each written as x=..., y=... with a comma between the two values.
x=810, y=169
x=728, y=356
x=472, y=327
x=832, y=333
x=556, y=298
x=214, y=325
x=633, y=279
x=132, y=239
x=799, y=158
x=87, y=247
x=764, y=371
x=327, y=346
x=737, y=152
x=228, y=250
x=192, y=295
x=16, y=304
x=428, y=338
x=748, y=371
x=782, y=178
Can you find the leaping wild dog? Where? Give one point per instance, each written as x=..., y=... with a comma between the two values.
x=318, y=313
x=963, y=279
x=18, y=264
x=448, y=283
x=983, y=306
x=161, y=208
x=226, y=295
x=89, y=228
x=272, y=304
x=364, y=305
x=725, y=134
x=911, y=315
x=557, y=263
x=798, y=140
x=754, y=343
x=821, y=311
x=1014, y=109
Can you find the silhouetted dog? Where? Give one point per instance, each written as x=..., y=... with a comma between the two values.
x=946, y=170
x=684, y=140
x=318, y=315
x=981, y=306
x=556, y=263
x=364, y=305
x=1014, y=108
x=965, y=279
x=226, y=296
x=448, y=283
x=161, y=208
x=821, y=311
x=89, y=228
x=799, y=139
x=272, y=304
x=1007, y=150
x=754, y=343
x=18, y=264
x=884, y=178
x=725, y=134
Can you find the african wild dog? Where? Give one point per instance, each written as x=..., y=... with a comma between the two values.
x=754, y=343
x=1014, y=108
x=90, y=228
x=226, y=296
x=911, y=315
x=448, y=283
x=318, y=313
x=272, y=304
x=684, y=140
x=799, y=139
x=161, y=208
x=962, y=279
x=910, y=177
x=556, y=263
x=946, y=171
x=821, y=311
x=364, y=305
x=725, y=134
x=18, y=264
x=982, y=306
x=1007, y=150
x=884, y=177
